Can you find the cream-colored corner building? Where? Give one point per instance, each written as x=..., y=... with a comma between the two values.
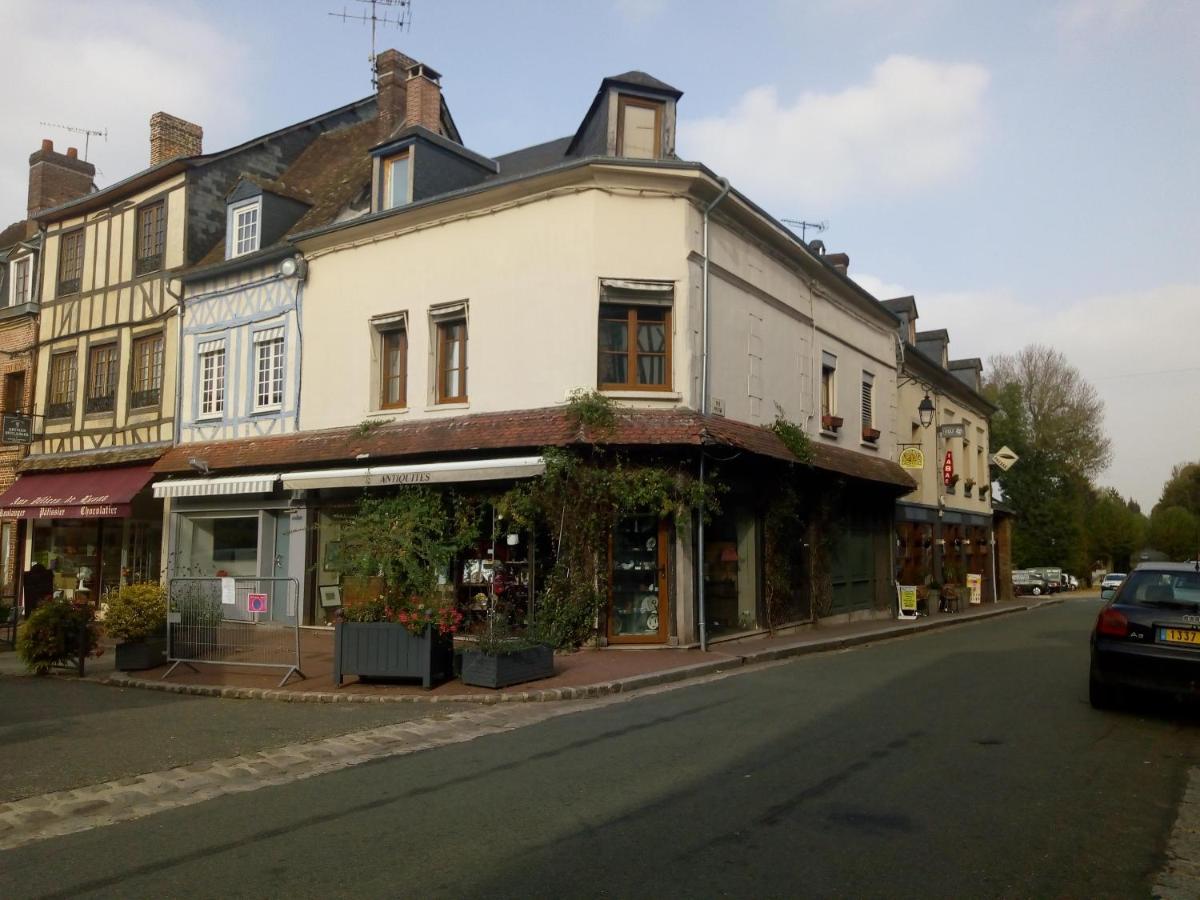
x=944, y=529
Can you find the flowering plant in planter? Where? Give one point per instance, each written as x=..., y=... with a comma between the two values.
x=414, y=613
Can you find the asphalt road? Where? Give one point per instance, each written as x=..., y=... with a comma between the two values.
x=965, y=763
x=57, y=734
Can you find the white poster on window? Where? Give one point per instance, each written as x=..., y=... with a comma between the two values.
x=228, y=592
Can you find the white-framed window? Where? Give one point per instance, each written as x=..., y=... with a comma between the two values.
x=245, y=228
x=828, y=384
x=868, y=400
x=20, y=280
x=268, y=369
x=212, y=378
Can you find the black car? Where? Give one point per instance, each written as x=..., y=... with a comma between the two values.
x=1148, y=635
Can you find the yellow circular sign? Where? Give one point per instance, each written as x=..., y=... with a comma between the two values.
x=912, y=458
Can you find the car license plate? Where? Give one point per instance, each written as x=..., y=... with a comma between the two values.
x=1179, y=636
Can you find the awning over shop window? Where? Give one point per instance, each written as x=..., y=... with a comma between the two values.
x=429, y=473
x=217, y=487
x=92, y=494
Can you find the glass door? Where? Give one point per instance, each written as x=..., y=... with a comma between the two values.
x=637, y=606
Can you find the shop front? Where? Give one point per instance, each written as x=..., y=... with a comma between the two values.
x=85, y=532
x=943, y=546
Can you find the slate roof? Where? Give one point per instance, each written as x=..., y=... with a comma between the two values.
x=116, y=456
x=523, y=429
x=332, y=172
x=531, y=159
x=642, y=79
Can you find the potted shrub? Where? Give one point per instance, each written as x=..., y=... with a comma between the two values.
x=135, y=616
x=870, y=434
x=59, y=633
x=831, y=423
x=395, y=638
x=405, y=546
x=501, y=658
x=967, y=486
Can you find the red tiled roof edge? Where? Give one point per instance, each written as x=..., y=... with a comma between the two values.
x=520, y=429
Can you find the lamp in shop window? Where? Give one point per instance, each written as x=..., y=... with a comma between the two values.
x=925, y=410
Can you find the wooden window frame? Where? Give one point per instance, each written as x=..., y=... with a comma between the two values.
x=74, y=284
x=9, y=379
x=831, y=393
x=625, y=100
x=155, y=242
x=106, y=355
x=147, y=394
x=385, y=179
x=444, y=328
x=398, y=333
x=631, y=351
x=64, y=364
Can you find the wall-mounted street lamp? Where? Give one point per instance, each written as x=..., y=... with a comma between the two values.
x=925, y=409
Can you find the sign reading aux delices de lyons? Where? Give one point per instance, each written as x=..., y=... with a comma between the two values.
x=73, y=506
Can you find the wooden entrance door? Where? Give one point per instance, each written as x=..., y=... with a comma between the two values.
x=637, y=581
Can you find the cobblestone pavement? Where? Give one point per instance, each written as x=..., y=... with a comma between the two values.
x=1179, y=879
x=66, y=812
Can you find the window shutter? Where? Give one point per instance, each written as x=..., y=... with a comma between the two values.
x=868, y=391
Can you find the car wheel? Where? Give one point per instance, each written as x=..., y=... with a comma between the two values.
x=1101, y=695
x=1036, y=591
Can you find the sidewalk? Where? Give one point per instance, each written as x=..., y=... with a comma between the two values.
x=586, y=673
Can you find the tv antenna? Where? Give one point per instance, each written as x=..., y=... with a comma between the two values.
x=86, y=132
x=400, y=16
x=804, y=226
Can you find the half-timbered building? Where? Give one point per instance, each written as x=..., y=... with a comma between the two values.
x=107, y=399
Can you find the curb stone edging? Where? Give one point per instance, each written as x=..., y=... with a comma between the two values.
x=581, y=692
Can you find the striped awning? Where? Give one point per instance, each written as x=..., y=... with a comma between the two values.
x=217, y=487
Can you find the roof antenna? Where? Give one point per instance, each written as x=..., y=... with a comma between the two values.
x=86, y=132
x=804, y=226
x=401, y=17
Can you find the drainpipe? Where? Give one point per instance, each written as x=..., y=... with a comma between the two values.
x=704, y=412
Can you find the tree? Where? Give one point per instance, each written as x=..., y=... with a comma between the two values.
x=1182, y=489
x=1175, y=532
x=1114, y=531
x=1055, y=409
x=1054, y=420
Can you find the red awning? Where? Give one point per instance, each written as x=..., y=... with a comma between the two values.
x=94, y=494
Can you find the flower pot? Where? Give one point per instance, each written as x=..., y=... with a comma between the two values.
x=134, y=656
x=500, y=670
x=390, y=650
x=870, y=434
x=831, y=423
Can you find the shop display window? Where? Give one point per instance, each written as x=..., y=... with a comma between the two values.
x=730, y=583
x=637, y=580
x=70, y=550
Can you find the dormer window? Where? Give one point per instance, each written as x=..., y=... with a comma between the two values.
x=396, y=181
x=245, y=228
x=639, y=127
x=20, y=276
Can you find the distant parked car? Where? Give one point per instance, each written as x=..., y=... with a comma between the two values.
x=1027, y=582
x=1052, y=577
x=1109, y=585
x=1072, y=583
x=1148, y=636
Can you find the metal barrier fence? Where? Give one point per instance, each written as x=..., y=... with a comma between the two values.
x=234, y=622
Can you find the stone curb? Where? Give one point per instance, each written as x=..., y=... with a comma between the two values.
x=601, y=689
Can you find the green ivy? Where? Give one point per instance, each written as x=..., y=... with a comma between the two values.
x=794, y=437
x=591, y=409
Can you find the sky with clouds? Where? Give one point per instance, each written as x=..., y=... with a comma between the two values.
x=1028, y=170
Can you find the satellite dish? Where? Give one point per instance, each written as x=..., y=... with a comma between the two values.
x=817, y=246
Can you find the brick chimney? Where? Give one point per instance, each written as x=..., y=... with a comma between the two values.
x=171, y=136
x=56, y=178
x=840, y=261
x=424, y=101
x=391, y=77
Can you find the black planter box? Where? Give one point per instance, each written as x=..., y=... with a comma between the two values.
x=137, y=655
x=485, y=670
x=389, y=650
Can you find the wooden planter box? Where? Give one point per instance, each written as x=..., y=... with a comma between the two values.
x=135, y=656
x=486, y=670
x=389, y=650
